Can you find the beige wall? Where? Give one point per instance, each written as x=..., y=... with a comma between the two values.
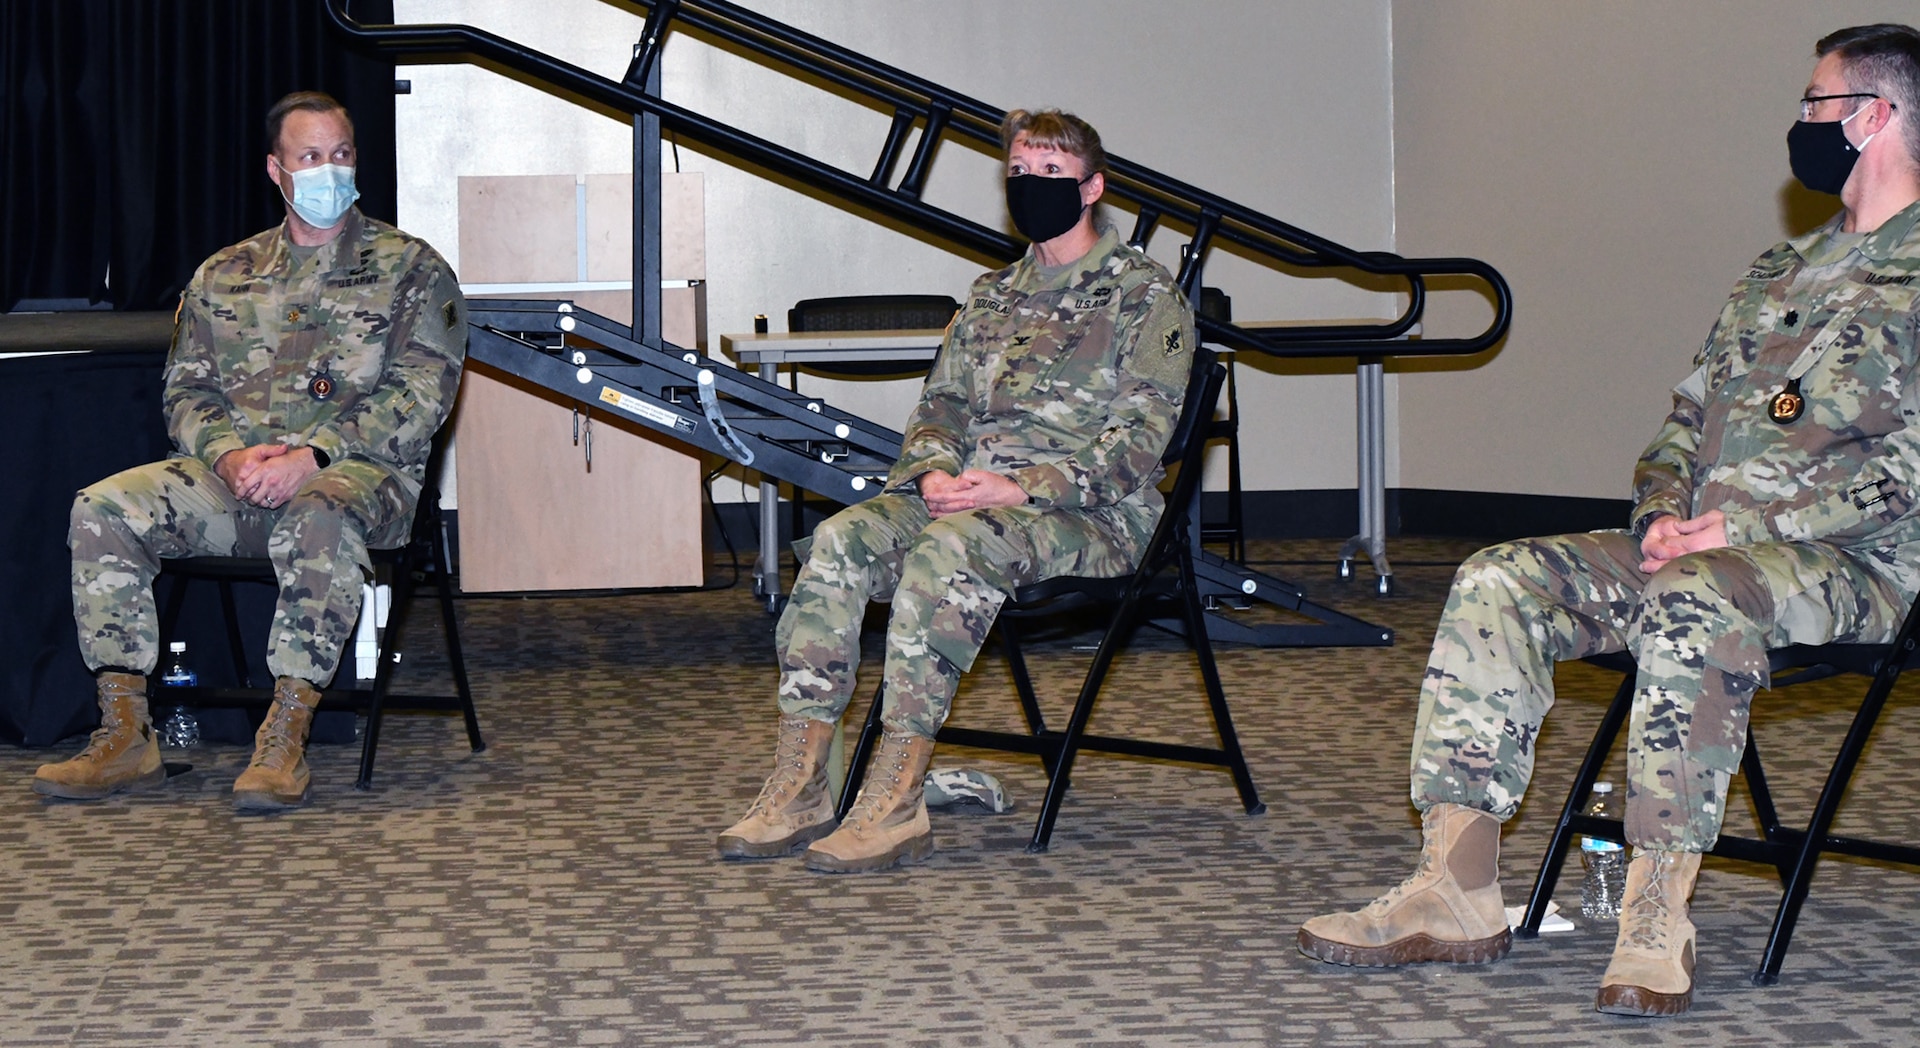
x=1282, y=106
x=1620, y=163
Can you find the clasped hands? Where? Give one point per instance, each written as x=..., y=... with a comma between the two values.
x=972, y=489
x=1670, y=536
x=266, y=474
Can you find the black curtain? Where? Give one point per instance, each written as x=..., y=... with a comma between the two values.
x=132, y=141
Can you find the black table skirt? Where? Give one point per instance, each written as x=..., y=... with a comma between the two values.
x=68, y=420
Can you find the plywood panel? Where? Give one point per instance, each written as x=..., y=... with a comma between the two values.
x=518, y=229
x=535, y=515
x=532, y=515
x=683, y=221
x=610, y=227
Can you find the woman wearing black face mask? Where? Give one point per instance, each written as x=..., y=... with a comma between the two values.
x=1054, y=175
x=1033, y=453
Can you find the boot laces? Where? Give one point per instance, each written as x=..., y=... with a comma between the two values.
x=100, y=743
x=1429, y=851
x=789, y=772
x=1650, y=915
x=875, y=799
x=778, y=787
x=279, y=749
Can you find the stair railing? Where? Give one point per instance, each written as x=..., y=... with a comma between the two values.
x=939, y=113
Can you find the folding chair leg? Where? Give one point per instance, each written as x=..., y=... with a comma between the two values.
x=857, y=762
x=1076, y=727
x=383, y=674
x=1800, y=877
x=1784, y=842
x=170, y=612
x=451, y=627
x=1023, y=684
x=1596, y=759
x=1216, y=695
x=235, y=647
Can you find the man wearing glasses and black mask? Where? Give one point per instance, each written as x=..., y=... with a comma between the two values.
x=1776, y=506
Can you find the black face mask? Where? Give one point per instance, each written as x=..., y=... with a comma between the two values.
x=1043, y=208
x=1820, y=155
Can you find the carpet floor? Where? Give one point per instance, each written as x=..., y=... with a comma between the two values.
x=561, y=887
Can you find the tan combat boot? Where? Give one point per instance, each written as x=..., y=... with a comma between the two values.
x=794, y=808
x=277, y=778
x=1448, y=911
x=122, y=754
x=1652, y=968
x=888, y=823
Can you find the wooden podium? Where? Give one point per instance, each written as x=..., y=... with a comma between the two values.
x=553, y=495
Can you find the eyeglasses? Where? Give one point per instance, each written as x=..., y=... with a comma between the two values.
x=1807, y=103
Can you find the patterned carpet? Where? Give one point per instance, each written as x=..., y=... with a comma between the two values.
x=561, y=889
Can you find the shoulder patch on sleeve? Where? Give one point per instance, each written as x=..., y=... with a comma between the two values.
x=1163, y=357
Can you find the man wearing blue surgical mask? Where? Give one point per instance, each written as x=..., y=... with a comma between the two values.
x=315, y=174
x=311, y=366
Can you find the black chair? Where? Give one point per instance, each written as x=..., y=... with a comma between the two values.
x=871, y=313
x=1164, y=577
x=1216, y=304
x=863, y=313
x=1791, y=851
x=423, y=559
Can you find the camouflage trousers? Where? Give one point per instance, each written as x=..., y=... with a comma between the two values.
x=317, y=542
x=946, y=580
x=1699, y=629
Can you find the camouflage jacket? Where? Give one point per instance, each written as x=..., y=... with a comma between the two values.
x=1069, y=382
x=1845, y=311
x=373, y=319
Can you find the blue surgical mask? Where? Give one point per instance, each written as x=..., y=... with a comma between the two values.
x=321, y=194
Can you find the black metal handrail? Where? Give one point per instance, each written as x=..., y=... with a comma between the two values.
x=938, y=111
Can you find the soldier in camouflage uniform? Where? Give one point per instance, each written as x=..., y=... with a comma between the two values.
x=311, y=366
x=1776, y=506
x=1034, y=452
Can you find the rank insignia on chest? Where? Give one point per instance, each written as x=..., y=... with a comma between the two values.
x=321, y=387
x=293, y=315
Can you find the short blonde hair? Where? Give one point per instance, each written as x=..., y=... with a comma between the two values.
x=1052, y=129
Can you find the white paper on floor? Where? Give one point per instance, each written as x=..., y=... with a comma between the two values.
x=1552, y=922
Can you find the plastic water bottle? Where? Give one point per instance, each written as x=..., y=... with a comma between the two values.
x=1606, y=862
x=181, y=728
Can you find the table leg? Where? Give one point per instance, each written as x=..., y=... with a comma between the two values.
x=766, y=569
x=1371, y=397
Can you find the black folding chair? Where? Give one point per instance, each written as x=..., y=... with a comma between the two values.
x=423, y=558
x=1165, y=576
x=1793, y=852
x=863, y=313
x=870, y=313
